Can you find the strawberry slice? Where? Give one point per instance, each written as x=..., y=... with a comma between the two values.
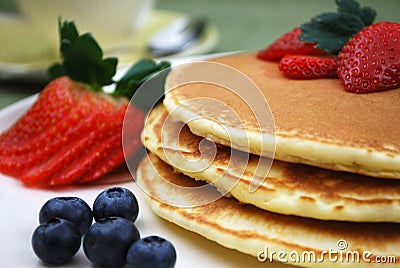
x=18, y=163
x=308, y=67
x=55, y=103
x=93, y=157
x=36, y=165
x=108, y=163
x=31, y=138
x=84, y=161
x=289, y=43
x=98, y=137
x=370, y=61
x=84, y=116
x=130, y=142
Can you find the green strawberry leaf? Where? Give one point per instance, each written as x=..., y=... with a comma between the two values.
x=331, y=30
x=56, y=70
x=138, y=74
x=67, y=30
x=82, y=60
x=367, y=14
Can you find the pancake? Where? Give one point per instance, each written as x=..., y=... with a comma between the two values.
x=257, y=232
x=293, y=189
x=316, y=122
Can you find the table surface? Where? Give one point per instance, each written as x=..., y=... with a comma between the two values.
x=242, y=25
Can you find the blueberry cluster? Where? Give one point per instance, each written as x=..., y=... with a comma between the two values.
x=111, y=241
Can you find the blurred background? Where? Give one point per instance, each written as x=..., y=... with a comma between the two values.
x=252, y=24
x=233, y=25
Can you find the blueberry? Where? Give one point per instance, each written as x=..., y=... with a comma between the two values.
x=73, y=209
x=108, y=240
x=151, y=252
x=56, y=241
x=116, y=202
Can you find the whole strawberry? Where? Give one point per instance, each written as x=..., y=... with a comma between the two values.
x=370, y=61
x=289, y=43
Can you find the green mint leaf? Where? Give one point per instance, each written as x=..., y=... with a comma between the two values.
x=331, y=30
x=82, y=58
x=139, y=73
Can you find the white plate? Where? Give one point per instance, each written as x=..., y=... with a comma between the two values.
x=19, y=208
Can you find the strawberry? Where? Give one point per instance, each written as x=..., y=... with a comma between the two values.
x=28, y=139
x=308, y=67
x=100, y=158
x=107, y=164
x=289, y=43
x=73, y=131
x=370, y=61
x=98, y=134
x=24, y=135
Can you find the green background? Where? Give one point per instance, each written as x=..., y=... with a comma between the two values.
x=242, y=25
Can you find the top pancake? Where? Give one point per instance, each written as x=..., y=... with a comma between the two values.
x=316, y=122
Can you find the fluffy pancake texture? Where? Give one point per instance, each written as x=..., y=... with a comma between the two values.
x=251, y=230
x=289, y=188
x=316, y=122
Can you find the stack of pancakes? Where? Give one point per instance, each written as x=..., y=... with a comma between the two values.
x=299, y=167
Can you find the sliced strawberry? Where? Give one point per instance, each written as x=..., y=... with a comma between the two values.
x=68, y=165
x=308, y=67
x=106, y=154
x=45, y=144
x=111, y=161
x=27, y=142
x=74, y=153
x=74, y=126
x=85, y=116
x=289, y=43
x=92, y=118
x=84, y=161
x=128, y=144
x=41, y=171
x=54, y=103
x=54, y=143
x=370, y=61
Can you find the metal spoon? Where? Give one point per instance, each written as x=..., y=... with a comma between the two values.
x=177, y=36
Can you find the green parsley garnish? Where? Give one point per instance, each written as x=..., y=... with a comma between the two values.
x=331, y=30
